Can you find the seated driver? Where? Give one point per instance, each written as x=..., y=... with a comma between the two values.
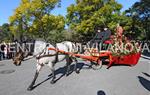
x=100, y=37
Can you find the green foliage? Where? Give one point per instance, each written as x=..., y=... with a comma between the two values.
x=56, y=36
x=87, y=15
x=5, y=34
x=140, y=14
x=34, y=17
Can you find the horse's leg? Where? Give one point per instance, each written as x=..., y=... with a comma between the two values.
x=69, y=61
x=38, y=68
x=75, y=67
x=51, y=66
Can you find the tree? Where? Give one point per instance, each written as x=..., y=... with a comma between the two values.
x=33, y=17
x=87, y=15
x=5, y=34
x=140, y=14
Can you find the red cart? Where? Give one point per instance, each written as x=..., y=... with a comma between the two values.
x=96, y=57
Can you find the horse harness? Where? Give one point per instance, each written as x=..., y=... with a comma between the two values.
x=48, y=55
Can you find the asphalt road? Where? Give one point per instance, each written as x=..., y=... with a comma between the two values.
x=118, y=80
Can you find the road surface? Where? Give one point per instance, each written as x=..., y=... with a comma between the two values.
x=118, y=80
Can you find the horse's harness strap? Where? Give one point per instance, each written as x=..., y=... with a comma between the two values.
x=48, y=55
x=38, y=57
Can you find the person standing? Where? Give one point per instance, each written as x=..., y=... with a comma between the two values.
x=2, y=51
x=0, y=55
x=5, y=51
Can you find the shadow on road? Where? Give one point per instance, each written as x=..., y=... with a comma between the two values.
x=146, y=74
x=100, y=92
x=116, y=65
x=61, y=71
x=144, y=82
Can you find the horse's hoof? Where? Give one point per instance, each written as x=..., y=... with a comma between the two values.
x=77, y=72
x=30, y=88
x=52, y=82
x=67, y=75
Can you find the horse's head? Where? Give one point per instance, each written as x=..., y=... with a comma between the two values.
x=18, y=58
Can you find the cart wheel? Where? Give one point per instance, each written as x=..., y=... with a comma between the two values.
x=97, y=66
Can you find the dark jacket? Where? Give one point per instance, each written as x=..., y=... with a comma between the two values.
x=107, y=35
x=99, y=35
x=102, y=36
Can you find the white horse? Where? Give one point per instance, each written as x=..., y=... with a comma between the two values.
x=49, y=57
